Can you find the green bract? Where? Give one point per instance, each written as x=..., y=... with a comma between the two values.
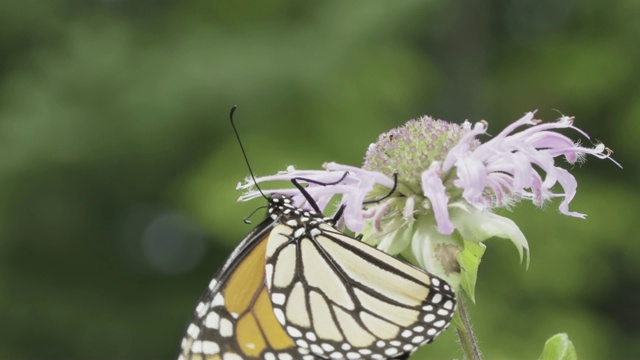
x=558, y=347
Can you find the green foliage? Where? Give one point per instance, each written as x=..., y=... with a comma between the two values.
x=559, y=347
x=118, y=165
x=469, y=260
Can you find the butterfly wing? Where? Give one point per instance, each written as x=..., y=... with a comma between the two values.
x=234, y=318
x=340, y=298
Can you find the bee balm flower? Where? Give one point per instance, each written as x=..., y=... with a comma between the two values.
x=448, y=184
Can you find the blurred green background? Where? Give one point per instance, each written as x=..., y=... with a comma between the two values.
x=118, y=165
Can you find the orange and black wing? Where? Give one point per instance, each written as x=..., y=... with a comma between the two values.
x=234, y=318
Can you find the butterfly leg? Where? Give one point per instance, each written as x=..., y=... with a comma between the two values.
x=310, y=200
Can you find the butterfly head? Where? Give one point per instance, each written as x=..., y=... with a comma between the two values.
x=283, y=209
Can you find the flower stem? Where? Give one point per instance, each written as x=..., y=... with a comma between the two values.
x=465, y=334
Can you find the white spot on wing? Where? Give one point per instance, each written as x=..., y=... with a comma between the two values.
x=193, y=331
x=279, y=316
x=218, y=300
x=201, y=309
x=196, y=347
x=391, y=351
x=299, y=232
x=212, y=320
x=316, y=349
x=302, y=343
x=417, y=339
x=213, y=284
x=278, y=299
x=448, y=305
x=436, y=298
x=328, y=347
x=210, y=348
x=226, y=327
x=293, y=332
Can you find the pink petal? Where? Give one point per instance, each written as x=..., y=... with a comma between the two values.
x=434, y=190
x=569, y=184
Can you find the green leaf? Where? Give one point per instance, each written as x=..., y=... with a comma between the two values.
x=469, y=260
x=457, y=321
x=559, y=347
x=478, y=226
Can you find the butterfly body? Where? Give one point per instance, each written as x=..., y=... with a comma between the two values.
x=298, y=288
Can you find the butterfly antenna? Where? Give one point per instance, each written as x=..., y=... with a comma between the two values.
x=244, y=153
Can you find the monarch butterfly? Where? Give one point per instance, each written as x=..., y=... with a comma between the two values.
x=298, y=288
